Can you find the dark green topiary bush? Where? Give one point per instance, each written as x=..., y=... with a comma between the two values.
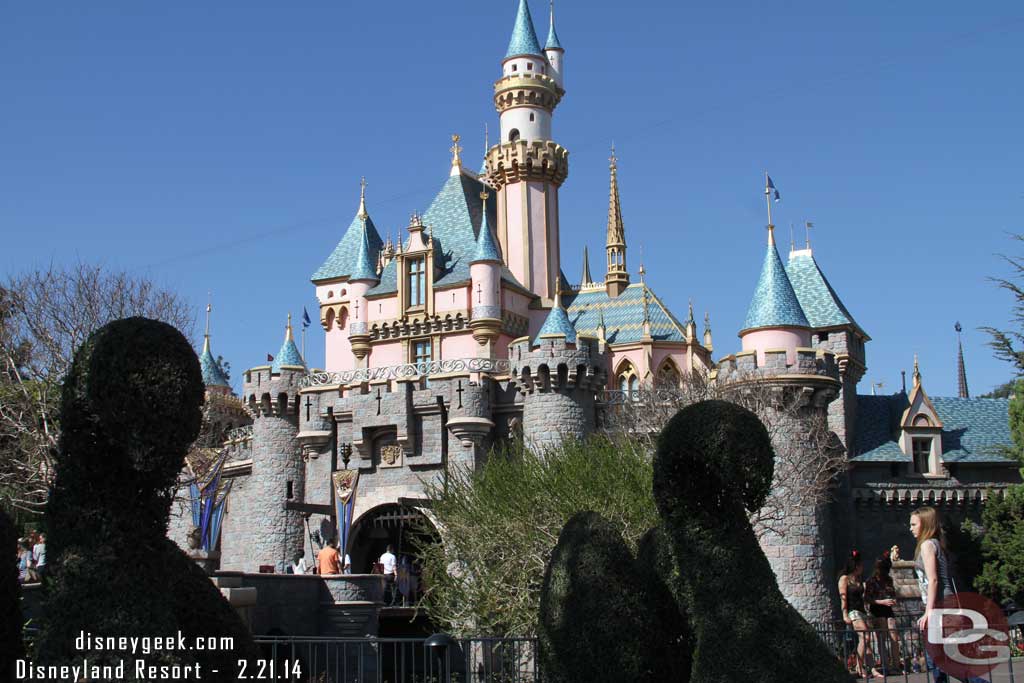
x=595, y=625
x=657, y=581
x=714, y=464
x=11, y=620
x=130, y=408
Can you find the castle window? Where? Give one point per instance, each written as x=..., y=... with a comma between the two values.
x=922, y=451
x=417, y=282
x=529, y=66
x=531, y=117
x=668, y=376
x=629, y=381
x=515, y=68
x=421, y=351
x=513, y=135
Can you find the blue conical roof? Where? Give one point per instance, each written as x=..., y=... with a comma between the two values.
x=340, y=262
x=775, y=304
x=363, y=265
x=289, y=353
x=553, y=42
x=557, y=322
x=524, y=38
x=486, y=249
x=213, y=375
x=819, y=301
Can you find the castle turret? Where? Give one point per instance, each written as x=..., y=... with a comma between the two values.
x=527, y=167
x=617, y=277
x=553, y=49
x=364, y=276
x=213, y=375
x=775, y=319
x=485, y=273
x=558, y=374
x=278, y=473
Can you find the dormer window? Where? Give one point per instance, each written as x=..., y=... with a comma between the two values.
x=417, y=282
x=922, y=453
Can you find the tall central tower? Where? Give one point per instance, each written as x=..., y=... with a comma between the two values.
x=527, y=167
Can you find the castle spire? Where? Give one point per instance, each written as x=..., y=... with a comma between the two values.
x=213, y=374
x=288, y=329
x=961, y=371
x=486, y=249
x=553, y=42
x=363, y=268
x=917, y=373
x=524, y=37
x=362, y=214
x=586, y=279
x=617, y=277
x=289, y=354
x=206, y=335
x=456, y=151
x=707, y=332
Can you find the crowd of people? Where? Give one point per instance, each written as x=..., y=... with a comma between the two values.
x=868, y=606
x=32, y=558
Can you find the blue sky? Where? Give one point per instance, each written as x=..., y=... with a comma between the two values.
x=218, y=147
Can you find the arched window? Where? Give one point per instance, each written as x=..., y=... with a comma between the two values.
x=513, y=135
x=668, y=375
x=628, y=380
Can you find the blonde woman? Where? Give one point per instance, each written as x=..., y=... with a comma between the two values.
x=933, y=576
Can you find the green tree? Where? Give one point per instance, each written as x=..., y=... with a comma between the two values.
x=1003, y=546
x=1004, y=390
x=501, y=522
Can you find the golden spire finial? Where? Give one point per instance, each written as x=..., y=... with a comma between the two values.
x=456, y=151
x=613, y=160
x=807, y=230
x=558, y=291
x=917, y=372
x=362, y=199
x=288, y=329
x=487, y=141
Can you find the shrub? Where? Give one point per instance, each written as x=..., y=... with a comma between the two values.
x=130, y=408
x=713, y=467
x=597, y=622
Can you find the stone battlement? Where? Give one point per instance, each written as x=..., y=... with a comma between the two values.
x=810, y=364
x=555, y=364
x=267, y=392
x=541, y=160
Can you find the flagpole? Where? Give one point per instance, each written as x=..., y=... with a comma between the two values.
x=768, y=199
x=303, y=342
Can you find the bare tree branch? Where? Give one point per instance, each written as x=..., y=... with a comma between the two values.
x=44, y=316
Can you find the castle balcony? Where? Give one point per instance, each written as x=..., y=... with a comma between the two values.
x=448, y=366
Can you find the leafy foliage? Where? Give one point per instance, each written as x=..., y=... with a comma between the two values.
x=592, y=580
x=714, y=466
x=502, y=521
x=1003, y=547
x=1005, y=390
x=129, y=410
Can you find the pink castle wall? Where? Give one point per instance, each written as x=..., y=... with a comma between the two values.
x=776, y=338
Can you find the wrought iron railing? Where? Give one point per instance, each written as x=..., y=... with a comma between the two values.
x=400, y=660
x=239, y=433
x=406, y=371
x=614, y=397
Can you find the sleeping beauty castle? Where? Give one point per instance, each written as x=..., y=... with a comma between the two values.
x=465, y=332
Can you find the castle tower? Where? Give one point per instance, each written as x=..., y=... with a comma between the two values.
x=617, y=277
x=363, y=278
x=558, y=374
x=527, y=167
x=278, y=473
x=485, y=273
x=961, y=371
x=553, y=49
x=774, y=319
x=213, y=376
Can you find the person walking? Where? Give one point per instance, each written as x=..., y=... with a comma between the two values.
x=25, y=572
x=931, y=566
x=851, y=595
x=389, y=562
x=39, y=556
x=880, y=597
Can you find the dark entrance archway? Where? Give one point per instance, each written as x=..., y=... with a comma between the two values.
x=400, y=526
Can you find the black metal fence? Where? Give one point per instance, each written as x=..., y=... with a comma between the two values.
x=898, y=654
x=399, y=660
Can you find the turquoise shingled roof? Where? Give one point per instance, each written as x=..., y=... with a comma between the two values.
x=213, y=375
x=818, y=300
x=553, y=42
x=557, y=322
x=775, y=303
x=342, y=260
x=454, y=215
x=288, y=355
x=524, y=38
x=623, y=315
x=363, y=266
x=486, y=249
x=975, y=430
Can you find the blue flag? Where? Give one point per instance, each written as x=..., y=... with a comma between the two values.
x=771, y=188
x=305, y=318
